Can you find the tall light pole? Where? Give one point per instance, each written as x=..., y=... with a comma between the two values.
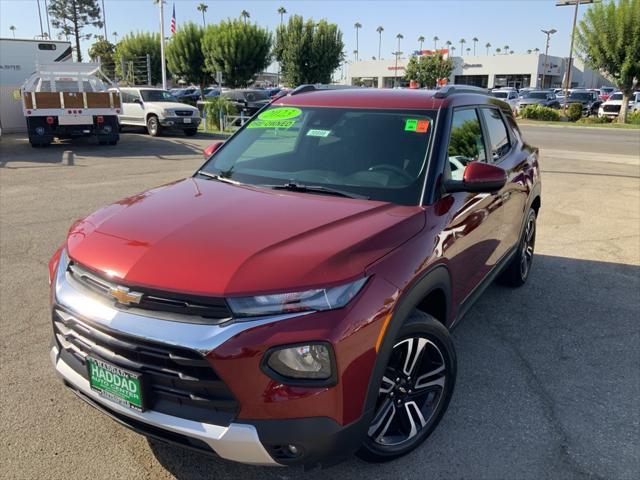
x=567, y=78
x=548, y=33
x=163, y=68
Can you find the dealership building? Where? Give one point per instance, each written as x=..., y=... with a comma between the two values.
x=489, y=71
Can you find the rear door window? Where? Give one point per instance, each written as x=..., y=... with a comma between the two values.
x=497, y=131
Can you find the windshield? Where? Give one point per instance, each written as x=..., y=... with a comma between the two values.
x=615, y=96
x=157, y=96
x=379, y=154
x=500, y=94
x=580, y=96
x=538, y=95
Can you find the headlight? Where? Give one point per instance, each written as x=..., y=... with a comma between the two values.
x=310, y=300
x=168, y=113
x=310, y=361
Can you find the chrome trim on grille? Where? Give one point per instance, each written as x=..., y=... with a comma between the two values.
x=238, y=442
x=202, y=338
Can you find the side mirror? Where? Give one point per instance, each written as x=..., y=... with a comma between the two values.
x=211, y=149
x=478, y=177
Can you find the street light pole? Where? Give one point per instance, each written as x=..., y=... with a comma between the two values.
x=162, y=60
x=548, y=33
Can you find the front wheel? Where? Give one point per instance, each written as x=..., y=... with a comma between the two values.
x=153, y=126
x=415, y=390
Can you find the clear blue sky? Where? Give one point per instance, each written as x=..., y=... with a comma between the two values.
x=515, y=23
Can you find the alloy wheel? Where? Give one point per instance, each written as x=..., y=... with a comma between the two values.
x=411, y=391
x=528, y=244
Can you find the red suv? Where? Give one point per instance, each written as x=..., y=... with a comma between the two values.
x=291, y=302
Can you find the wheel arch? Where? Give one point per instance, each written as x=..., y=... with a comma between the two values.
x=431, y=294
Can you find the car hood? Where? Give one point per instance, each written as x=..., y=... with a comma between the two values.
x=212, y=238
x=173, y=105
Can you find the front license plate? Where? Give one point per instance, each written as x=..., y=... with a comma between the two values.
x=187, y=120
x=115, y=384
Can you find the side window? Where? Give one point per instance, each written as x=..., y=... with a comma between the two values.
x=466, y=143
x=497, y=131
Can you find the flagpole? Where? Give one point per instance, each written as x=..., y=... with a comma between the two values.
x=162, y=61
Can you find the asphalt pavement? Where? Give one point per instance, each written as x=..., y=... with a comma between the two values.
x=548, y=379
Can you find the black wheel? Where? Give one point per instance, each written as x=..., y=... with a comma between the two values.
x=190, y=132
x=153, y=126
x=415, y=389
x=517, y=271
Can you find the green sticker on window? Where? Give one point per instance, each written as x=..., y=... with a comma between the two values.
x=315, y=132
x=283, y=113
x=271, y=124
x=410, y=125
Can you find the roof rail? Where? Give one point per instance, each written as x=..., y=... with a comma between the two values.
x=318, y=86
x=449, y=90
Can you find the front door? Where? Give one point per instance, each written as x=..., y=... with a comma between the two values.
x=132, y=109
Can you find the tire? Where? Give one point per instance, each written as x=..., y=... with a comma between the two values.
x=516, y=273
x=423, y=350
x=190, y=132
x=153, y=126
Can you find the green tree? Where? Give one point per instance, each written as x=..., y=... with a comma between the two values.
x=608, y=38
x=237, y=50
x=184, y=55
x=133, y=48
x=309, y=52
x=73, y=16
x=202, y=7
x=105, y=51
x=428, y=69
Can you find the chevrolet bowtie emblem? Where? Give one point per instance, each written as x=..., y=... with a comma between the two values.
x=125, y=296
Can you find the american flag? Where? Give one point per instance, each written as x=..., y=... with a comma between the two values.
x=173, y=20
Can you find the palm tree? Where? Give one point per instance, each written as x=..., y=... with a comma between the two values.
x=448, y=44
x=537, y=50
x=487, y=46
x=397, y=53
x=115, y=37
x=355, y=55
x=13, y=30
x=380, y=29
x=474, y=40
x=357, y=26
x=435, y=42
x=244, y=15
x=506, y=49
x=529, y=51
x=498, y=50
x=462, y=42
x=202, y=7
x=399, y=37
x=468, y=50
x=421, y=40
x=511, y=52
x=453, y=48
x=282, y=11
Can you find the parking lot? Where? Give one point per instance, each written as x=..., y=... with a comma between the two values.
x=548, y=381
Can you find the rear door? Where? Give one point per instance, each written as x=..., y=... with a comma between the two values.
x=505, y=151
x=473, y=234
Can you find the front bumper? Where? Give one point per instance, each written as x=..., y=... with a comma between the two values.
x=180, y=122
x=238, y=442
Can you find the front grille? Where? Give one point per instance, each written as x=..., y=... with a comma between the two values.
x=176, y=381
x=611, y=108
x=184, y=113
x=209, y=309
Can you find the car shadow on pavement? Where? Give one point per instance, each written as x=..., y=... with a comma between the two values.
x=15, y=150
x=547, y=388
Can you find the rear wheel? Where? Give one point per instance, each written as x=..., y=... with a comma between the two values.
x=153, y=126
x=517, y=271
x=415, y=390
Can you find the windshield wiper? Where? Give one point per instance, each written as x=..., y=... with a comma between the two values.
x=221, y=177
x=296, y=187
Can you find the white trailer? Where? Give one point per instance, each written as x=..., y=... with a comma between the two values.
x=18, y=60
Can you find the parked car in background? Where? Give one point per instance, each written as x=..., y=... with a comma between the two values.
x=545, y=98
x=605, y=92
x=291, y=302
x=589, y=100
x=509, y=95
x=157, y=110
x=611, y=108
x=188, y=95
x=247, y=101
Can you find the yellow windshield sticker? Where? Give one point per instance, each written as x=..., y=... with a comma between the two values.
x=315, y=132
x=259, y=123
x=283, y=113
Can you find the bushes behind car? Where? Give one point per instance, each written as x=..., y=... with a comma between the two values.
x=574, y=113
x=634, y=117
x=539, y=112
x=217, y=106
